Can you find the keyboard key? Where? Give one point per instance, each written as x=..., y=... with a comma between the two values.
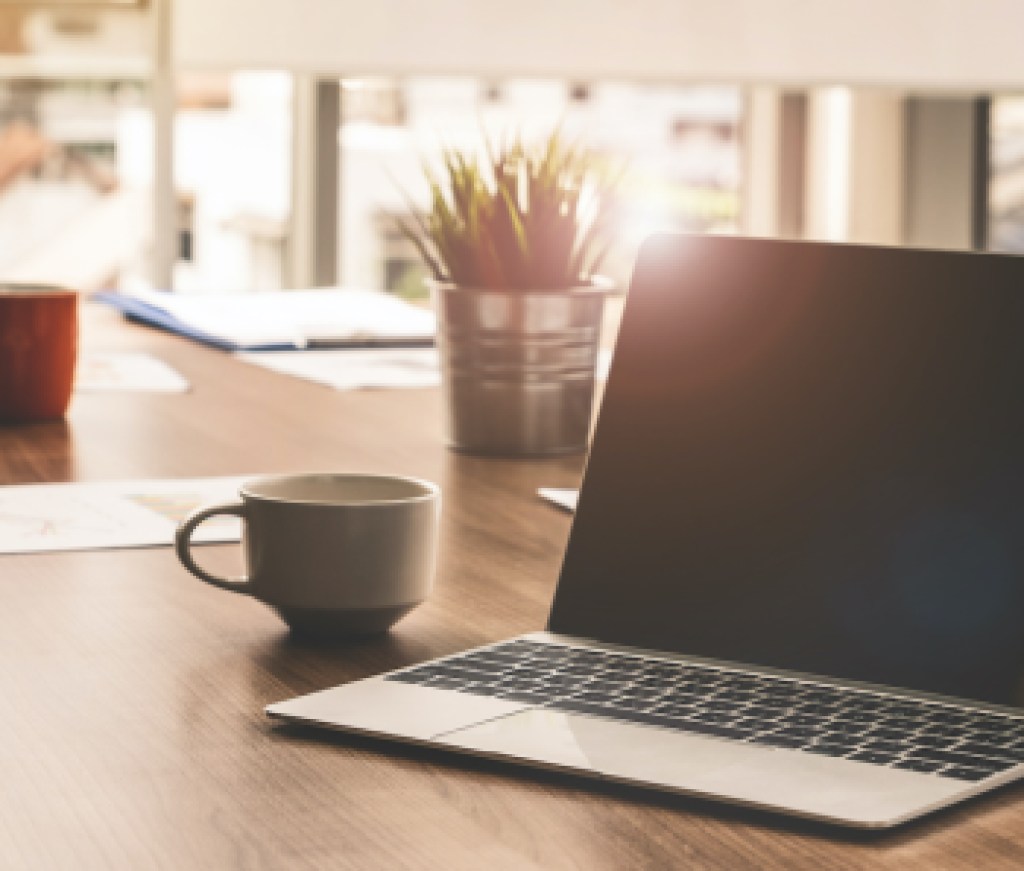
x=777, y=692
x=480, y=689
x=845, y=727
x=494, y=657
x=942, y=730
x=842, y=738
x=776, y=740
x=875, y=757
x=559, y=680
x=942, y=742
x=593, y=696
x=743, y=684
x=531, y=698
x=588, y=656
x=881, y=734
x=815, y=709
x=682, y=698
x=954, y=717
x=990, y=751
x=641, y=705
x=758, y=724
x=826, y=748
x=414, y=677
x=805, y=732
x=711, y=717
x=900, y=724
x=719, y=704
x=894, y=747
x=964, y=772
x=577, y=672
x=769, y=701
x=994, y=722
x=964, y=759
x=934, y=713
x=738, y=698
x=662, y=668
x=651, y=695
x=530, y=670
x=618, y=675
x=675, y=710
x=447, y=683
x=859, y=716
x=473, y=674
x=830, y=698
x=908, y=711
x=692, y=725
x=511, y=683
x=926, y=766
x=550, y=652
x=803, y=720
x=602, y=683
x=985, y=736
x=871, y=702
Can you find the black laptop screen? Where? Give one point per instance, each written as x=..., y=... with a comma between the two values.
x=811, y=457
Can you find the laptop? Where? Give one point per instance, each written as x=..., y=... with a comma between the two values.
x=795, y=576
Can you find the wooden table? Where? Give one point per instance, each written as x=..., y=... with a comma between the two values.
x=133, y=734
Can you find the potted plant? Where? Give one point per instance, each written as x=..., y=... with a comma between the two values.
x=513, y=241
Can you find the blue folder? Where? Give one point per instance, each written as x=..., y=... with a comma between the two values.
x=153, y=315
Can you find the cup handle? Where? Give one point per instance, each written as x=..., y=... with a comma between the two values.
x=183, y=546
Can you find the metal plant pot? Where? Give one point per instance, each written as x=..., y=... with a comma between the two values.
x=518, y=367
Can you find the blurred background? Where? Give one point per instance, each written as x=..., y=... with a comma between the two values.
x=223, y=146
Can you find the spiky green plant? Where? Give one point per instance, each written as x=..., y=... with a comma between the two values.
x=523, y=218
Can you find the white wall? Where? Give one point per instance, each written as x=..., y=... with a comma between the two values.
x=933, y=44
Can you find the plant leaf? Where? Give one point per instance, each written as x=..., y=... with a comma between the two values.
x=517, y=217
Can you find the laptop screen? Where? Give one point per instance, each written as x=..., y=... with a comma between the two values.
x=811, y=457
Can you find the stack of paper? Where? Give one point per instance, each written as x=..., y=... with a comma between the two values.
x=50, y=517
x=371, y=368
x=112, y=371
x=356, y=368
x=277, y=320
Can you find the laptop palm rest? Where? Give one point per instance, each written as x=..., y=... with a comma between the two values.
x=376, y=706
x=814, y=786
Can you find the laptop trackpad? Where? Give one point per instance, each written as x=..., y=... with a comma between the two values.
x=805, y=783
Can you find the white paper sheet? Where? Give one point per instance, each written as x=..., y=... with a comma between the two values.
x=563, y=497
x=367, y=368
x=38, y=518
x=355, y=369
x=298, y=317
x=115, y=371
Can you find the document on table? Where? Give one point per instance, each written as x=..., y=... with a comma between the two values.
x=281, y=320
x=356, y=369
x=561, y=496
x=112, y=371
x=39, y=518
x=367, y=368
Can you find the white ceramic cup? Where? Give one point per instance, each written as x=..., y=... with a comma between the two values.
x=333, y=554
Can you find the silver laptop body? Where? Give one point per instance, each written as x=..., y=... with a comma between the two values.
x=795, y=578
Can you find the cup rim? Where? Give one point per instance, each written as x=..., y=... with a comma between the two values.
x=33, y=290
x=429, y=489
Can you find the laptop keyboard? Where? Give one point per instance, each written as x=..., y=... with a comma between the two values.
x=763, y=709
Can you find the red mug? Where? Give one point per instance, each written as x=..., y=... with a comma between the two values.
x=38, y=350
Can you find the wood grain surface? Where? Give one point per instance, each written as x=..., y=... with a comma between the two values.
x=133, y=734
